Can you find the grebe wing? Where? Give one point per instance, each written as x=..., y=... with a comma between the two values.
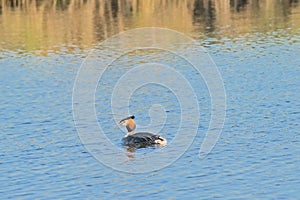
x=141, y=139
x=150, y=138
x=143, y=135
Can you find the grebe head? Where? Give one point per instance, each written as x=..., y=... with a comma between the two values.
x=129, y=123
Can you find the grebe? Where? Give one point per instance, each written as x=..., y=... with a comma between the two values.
x=139, y=140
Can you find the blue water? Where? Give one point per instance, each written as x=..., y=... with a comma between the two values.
x=256, y=157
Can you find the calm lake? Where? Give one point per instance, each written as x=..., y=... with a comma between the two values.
x=49, y=150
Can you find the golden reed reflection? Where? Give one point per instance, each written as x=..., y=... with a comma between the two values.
x=71, y=24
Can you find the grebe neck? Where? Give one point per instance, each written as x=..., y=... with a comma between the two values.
x=130, y=125
x=129, y=133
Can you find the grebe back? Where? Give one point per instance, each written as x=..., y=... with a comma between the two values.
x=141, y=139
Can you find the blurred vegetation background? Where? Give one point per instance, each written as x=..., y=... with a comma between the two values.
x=54, y=24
